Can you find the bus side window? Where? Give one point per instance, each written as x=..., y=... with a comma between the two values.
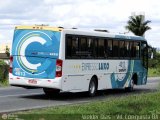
x=75, y=47
x=144, y=54
x=82, y=47
x=90, y=48
x=101, y=51
x=135, y=50
x=68, y=46
x=115, y=49
x=109, y=48
x=95, y=51
x=131, y=50
x=127, y=49
x=83, y=44
x=121, y=49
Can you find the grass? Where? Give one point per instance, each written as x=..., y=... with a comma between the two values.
x=144, y=105
x=4, y=83
x=153, y=72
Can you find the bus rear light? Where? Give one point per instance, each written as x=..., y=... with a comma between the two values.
x=10, y=66
x=59, y=68
x=10, y=70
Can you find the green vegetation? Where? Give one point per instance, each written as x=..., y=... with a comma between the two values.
x=153, y=72
x=154, y=66
x=3, y=73
x=137, y=25
x=4, y=83
x=7, y=51
x=137, y=105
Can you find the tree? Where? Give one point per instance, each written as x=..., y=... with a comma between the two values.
x=7, y=51
x=137, y=25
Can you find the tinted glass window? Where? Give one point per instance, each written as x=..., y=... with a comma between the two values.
x=82, y=47
x=101, y=48
x=69, y=47
x=75, y=47
x=144, y=54
x=121, y=49
x=115, y=49
x=135, y=49
x=109, y=49
x=90, y=47
x=95, y=48
x=127, y=49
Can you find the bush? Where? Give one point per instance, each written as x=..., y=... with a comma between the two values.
x=4, y=70
x=155, y=62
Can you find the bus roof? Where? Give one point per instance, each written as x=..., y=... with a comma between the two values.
x=103, y=34
x=39, y=27
x=82, y=32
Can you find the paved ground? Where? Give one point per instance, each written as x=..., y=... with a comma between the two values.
x=15, y=99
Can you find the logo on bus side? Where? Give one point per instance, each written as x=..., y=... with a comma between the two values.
x=29, y=44
x=94, y=66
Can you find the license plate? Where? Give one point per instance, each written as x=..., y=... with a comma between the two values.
x=32, y=81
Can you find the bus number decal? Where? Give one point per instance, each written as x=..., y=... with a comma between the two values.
x=122, y=66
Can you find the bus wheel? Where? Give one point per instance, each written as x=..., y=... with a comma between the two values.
x=51, y=92
x=92, y=87
x=131, y=87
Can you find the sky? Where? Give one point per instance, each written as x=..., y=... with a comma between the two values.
x=82, y=14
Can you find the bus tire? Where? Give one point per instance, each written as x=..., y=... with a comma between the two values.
x=131, y=87
x=51, y=92
x=92, y=87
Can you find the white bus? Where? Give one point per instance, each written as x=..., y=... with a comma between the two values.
x=72, y=60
